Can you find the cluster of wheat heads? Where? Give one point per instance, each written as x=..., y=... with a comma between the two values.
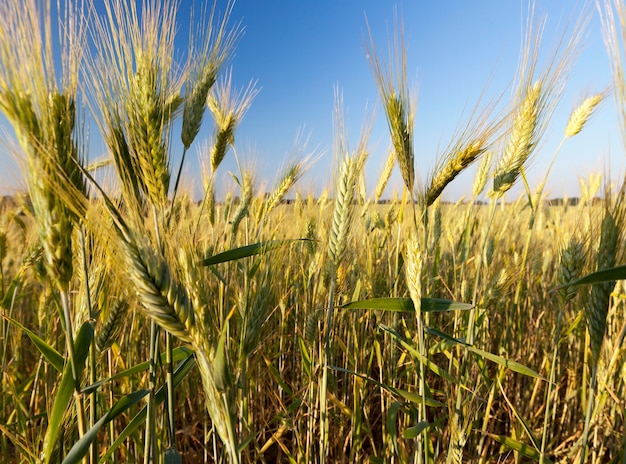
x=351, y=345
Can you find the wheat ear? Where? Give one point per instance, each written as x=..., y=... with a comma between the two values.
x=244, y=202
x=107, y=334
x=163, y=299
x=597, y=309
x=217, y=45
x=456, y=163
x=293, y=173
x=343, y=210
x=393, y=88
x=522, y=140
x=582, y=114
x=384, y=176
x=571, y=264
x=228, y=108
x=482, y=174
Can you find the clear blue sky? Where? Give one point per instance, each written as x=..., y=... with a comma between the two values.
x=299, y=51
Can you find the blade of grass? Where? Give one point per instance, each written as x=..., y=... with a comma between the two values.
x=80, y=448
x=406, y=305
x=247, y=251
x=511, y=365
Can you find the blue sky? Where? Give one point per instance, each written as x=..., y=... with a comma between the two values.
x=299, y=52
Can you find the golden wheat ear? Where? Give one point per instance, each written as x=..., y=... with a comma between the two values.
x=228, y=107
x=583, y=113
x=393, y=88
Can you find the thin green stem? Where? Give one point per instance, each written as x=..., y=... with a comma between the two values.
x=324, y=383
x=175, y=192
x=169, y=380
x=69, y=337
x=470, y=324
x=150, y=434
x=592, y=388
x=557, y=341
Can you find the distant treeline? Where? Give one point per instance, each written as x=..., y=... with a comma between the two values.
x=9, y=202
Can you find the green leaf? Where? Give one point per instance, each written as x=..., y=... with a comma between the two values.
x=414, y=431
x=19, y=442
x=178, y=354
x=605, y=275
x=8, y=298
x=429, y=305
x=415, y=353
x=278, y=378
x=392, y=419
x=511, y=365
x=305, y=357
x=416, y=398
x=221, y=372
x=519, y=417
x=172, y=457
x=522, y=448
x=411, y=397
x=66, y=388
x=81, y=447
x=247, y=251
x=51, y=355
x=179, y=374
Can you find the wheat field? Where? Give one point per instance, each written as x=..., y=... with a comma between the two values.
x=140, y=324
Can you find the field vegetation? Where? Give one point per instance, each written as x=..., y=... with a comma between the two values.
x=140, y=325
